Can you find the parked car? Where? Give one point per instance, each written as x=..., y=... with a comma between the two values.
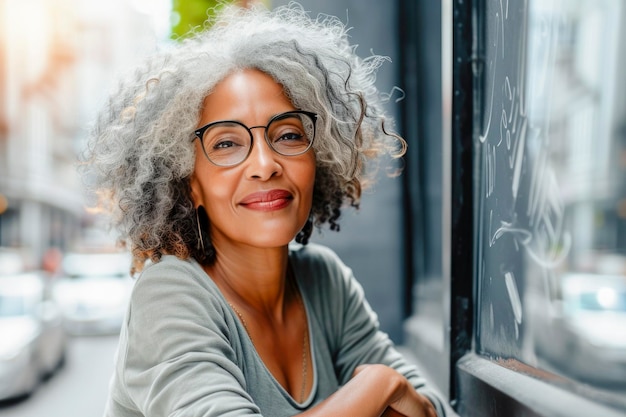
x=33, y=340
x=583, y=333
x=12, y=261
x=94, y=291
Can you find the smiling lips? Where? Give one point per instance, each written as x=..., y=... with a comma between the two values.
x=267, y=200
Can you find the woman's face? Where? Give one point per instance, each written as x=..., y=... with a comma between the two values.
x=265, y=200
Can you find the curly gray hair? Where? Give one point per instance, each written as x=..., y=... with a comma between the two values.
x=140, y=154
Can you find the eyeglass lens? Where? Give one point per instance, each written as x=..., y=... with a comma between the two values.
x=228, y=143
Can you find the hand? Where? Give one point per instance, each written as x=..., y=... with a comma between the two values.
x=419, y=404
x=374, y=391
x=405, y=401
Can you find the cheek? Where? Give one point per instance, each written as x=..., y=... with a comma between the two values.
x=306, y=177
x=210, y=188
x=219, y=190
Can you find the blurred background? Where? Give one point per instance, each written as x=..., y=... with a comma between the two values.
x=64, y=283
x=546, y=265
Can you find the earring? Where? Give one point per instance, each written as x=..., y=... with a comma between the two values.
x=200, y=244
x=204, y=245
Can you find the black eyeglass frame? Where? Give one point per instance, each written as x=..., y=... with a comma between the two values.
x=199, y=134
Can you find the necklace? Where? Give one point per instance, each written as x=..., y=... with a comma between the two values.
x=305, y=345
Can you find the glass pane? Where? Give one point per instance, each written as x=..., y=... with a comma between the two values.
x=552, y=193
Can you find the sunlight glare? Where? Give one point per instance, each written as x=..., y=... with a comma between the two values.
x=159, y=10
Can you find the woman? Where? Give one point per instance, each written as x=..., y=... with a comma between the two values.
x=212, y=159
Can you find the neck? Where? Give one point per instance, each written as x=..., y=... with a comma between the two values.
x=253, y=278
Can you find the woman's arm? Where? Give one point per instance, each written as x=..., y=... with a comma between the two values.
x=375, y=390
x=352, y=329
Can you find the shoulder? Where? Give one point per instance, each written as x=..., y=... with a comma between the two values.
x=170, y=264
x=332, y=293
x=172, y=271
x=321, y=271
x=174, y=285
x=315, y=255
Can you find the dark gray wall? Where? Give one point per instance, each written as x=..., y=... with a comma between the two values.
x=370, y=240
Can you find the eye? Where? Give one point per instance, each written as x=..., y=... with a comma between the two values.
x=289, y=136
x=224, y=143
x=225, y=136
x=288, y=130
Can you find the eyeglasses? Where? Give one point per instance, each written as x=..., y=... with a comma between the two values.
x=228, y=142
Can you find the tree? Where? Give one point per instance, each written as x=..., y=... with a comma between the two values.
x=191, y=15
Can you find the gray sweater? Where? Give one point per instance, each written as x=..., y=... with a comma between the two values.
x=183, y=352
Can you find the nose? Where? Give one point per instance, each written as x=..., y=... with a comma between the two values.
x=262, y=163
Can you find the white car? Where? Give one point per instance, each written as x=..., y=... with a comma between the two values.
x=33, y=340
x=12, y=261
x=94, y=292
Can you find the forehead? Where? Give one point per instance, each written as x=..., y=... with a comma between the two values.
x=249, y=96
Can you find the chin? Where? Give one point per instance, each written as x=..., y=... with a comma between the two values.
x=271, y=238
x=274, y=242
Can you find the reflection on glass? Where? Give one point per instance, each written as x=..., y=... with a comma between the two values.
x=551, y=219
x=584, y=336
x=577, y=304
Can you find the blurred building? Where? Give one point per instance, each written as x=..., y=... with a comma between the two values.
x=56, y=62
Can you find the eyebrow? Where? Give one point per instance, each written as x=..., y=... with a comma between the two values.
x=240, y=121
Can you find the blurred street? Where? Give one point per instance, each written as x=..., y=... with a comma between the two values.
x=79, y=389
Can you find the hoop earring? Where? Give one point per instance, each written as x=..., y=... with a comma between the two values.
x=206, y=251
x=200, y=243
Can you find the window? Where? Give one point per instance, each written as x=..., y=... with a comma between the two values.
x=551, y=263
x=532, y=285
